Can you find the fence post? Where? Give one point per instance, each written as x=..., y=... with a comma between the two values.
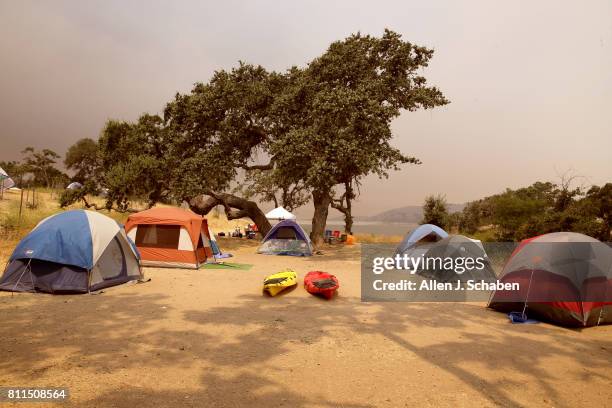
x=20, y=207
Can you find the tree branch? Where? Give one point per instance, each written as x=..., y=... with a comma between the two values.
x=268, y=166
x=98, y=208
x=235, y=207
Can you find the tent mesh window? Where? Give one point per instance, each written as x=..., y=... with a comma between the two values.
x=285, y=233
x=158, y=236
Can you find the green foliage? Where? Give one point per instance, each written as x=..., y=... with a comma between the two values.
x=326, y=124
x=220, y=126
x=453, y=220
x=470, y=218
x=70, y=196
x=338, y=110
x=513, y=209
x=594, y=212
x=137, y=161
x=270, y=186
x=435, y=211
x=82, y=157
x=542, y=208
x=41, y=164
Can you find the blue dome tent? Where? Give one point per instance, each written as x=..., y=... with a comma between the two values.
x=73, y=251
x=286, y=238
x=421, y=234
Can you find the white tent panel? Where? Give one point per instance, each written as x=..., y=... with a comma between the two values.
x=280, y=213
x=185, y=243
x=103, y=230
x=132, y=234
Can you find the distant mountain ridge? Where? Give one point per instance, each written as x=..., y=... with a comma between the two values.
x=409, y=214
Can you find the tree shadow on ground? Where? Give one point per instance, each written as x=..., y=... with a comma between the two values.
x=95, y=335
x=104, y=332
x=242, y=390
x=515, y=349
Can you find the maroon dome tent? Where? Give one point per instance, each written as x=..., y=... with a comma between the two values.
x=564, y=277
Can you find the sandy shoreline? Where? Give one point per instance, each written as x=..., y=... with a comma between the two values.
x=209, y=338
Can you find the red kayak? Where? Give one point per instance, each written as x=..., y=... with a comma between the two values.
x=321, y=283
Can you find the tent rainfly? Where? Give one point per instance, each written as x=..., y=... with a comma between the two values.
x=564, y=277
x=279, y=213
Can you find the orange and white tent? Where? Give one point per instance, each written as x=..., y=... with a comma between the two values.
x=170, y=237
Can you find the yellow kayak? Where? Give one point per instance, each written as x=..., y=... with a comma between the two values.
x=274, y=284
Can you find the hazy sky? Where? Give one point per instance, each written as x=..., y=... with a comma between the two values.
x=530, y=81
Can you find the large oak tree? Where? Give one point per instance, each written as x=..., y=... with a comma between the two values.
x=302, y=131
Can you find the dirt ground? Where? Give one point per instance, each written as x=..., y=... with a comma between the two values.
x=208, y=338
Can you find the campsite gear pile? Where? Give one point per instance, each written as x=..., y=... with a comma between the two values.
x=337, y=237
x=251, y=231
x=172, y=237
x=75, y=251
x=315, y=282
x=286, y=238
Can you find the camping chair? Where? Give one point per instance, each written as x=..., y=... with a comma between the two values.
x=329, y=237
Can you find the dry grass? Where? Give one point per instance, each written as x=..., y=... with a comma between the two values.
x=378, y=239
x=13, y=227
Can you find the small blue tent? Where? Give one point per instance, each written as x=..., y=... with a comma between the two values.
x=73, y=251
x=423, y=233
x=286, y=238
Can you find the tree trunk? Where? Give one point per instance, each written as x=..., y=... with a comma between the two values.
x=348, y=217
x=338, y=204
x=235, y=207
x=321, y=200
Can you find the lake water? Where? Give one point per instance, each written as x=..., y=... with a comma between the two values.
x=367, y=227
